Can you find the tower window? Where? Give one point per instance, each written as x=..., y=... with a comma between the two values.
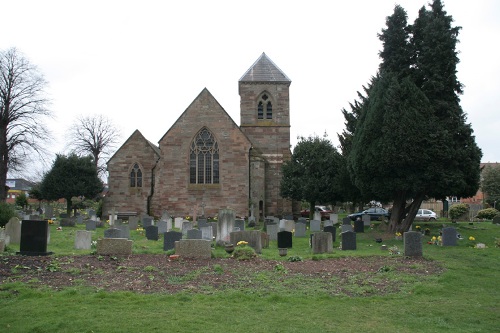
x=269, y=111
x=266, y=106
x=260, y=111
x=204, y=159
x=136, y=176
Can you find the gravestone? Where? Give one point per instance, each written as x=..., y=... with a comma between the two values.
x=49, y=212
x=366, y=219
x=67, y=222
x=288, y=217
x=162, y=227
x=147, y=221
x=321, y=242
x=269, y=220
x=315, y=225
x=193, y=248
x=302, y=220
x=317, y=216
x=300, y=230
x=90, y=225
x=79, y=219
x=289, y=225
x=83, y=240
x=449, y=237
x=412, y=241
x=125, y=230
x=13, y=230
x=207, y=232
x=186, y=225
x=264, y=238
x=346, y=220
x=359, y=226
x=34, y=238
x=496, y=219
x=334, y=218
x=91, y=212
x=327, y=223
x=348, y=240
x=284, y=239
x=345, y=227
x=151, y=232
x=331, y=229
x=252, y=237
x=239, y=223
x=165, y=216
x=225, y=226
x=4, y=237
x=133, y=222
x=193, y=234
x=169, y=239
x=214, y=228
x=178, y=222
x=272, y=231
x=2, y=245
x=114, y=246
x=113, y=233
x=202, y=222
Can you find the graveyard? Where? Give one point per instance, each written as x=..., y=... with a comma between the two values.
x=334, y=276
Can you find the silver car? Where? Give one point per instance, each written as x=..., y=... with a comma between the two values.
x=426, y=215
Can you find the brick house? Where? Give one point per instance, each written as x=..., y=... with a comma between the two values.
x=205, y=161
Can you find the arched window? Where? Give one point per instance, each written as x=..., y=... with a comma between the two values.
x=264, y=102
x=136, y=176
x=204, y=159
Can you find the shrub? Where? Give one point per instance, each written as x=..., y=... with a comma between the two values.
x=488, y=213
x=22, y=200
x=6, y=213
x=458, y=211
x=244, y=252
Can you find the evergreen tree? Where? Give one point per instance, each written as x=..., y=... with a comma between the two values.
x=491, y=185
x=71, y=176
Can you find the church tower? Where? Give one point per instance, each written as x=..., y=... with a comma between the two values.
x=265, y=120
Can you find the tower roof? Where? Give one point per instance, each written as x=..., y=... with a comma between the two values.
x=264, y=70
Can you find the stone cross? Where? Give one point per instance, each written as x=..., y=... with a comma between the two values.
x=203, y=209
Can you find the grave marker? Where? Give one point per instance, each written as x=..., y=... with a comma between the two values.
x=349, y=240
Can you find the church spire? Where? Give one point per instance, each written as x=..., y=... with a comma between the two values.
x=264, y=70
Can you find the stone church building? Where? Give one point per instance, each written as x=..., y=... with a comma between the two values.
x=205, y=161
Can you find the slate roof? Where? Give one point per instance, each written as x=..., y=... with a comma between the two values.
x=264, y=70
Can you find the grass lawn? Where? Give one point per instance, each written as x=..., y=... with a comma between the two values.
x=463, y=298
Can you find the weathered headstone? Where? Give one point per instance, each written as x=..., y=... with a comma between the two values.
x=359, y=226
x=288, y=216
x=147, y=221
x=449, y=237
x=225, y=225
x=239, y=223
x=151, y=232
x=327, y=223
x=2, y=245
x=300, y=230
x=412, y=241
x=178, y=222
x=264, y=238
x=49, y=212
x=334, y=218
x=79, y=219
x=169, y=239
x=202, y=222
x=302, y=220
x=90, y=212
x=289, y=225
x=315, y=225
x=284, y=239
x=13, y=230
x=113, y=233
x=207, y=232
x=5, y=237
x=331, y=229
x=90, y=225
x=193, y=248
x=272, y=231
x=34, y=238
x=125, y=230
x=345, y=227
x=162, y=227
x=214, y=228
x=366, y=219
x=186, y=225
x=193, y=234
x=317, y=216
x=133, y=222
x=114, y=246
x=252, y=237
x=322, y=243
x=83, y=240
x=348, y=240
x=346, y=220
x=67, y=222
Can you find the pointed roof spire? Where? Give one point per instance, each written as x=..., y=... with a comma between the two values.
x=264, y=70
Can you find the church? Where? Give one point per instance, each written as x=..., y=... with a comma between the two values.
x=205, y=161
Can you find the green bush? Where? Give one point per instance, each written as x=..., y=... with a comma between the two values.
x=244, y=252
x=488, y=213
x=6, y=213
x=458, y=211
x=22, y=200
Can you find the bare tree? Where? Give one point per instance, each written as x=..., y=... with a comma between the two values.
x=93, y=135
x=22, y=107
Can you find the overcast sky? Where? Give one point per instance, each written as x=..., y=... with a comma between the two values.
x=141, y=63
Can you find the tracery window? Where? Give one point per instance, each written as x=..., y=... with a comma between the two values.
x=264, y=102
x=204, y=159
x=136, y=176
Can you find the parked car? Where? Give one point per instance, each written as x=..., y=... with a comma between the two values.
x=374, y=212
x=426, y=215
x=325, y=212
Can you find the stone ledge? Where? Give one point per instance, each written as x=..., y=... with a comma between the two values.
x=114, y=246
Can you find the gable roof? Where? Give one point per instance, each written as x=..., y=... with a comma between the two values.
x=264, y=70
x=155, y=149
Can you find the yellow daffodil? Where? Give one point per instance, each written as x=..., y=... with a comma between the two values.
x=471, y=238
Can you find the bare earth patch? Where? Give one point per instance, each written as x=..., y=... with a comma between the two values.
x=155, y=273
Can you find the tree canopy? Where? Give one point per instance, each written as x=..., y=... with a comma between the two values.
x=411, y=138
x=23, y=107
x=491, y=185
x=71, y=176
x=312, y=172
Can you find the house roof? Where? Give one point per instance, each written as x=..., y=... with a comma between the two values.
x=264, y=70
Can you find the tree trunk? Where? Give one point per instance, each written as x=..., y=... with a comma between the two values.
x=398, y=211
x=311, y=210
x=412, y=212
x=68, y=206
x=4, y=162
